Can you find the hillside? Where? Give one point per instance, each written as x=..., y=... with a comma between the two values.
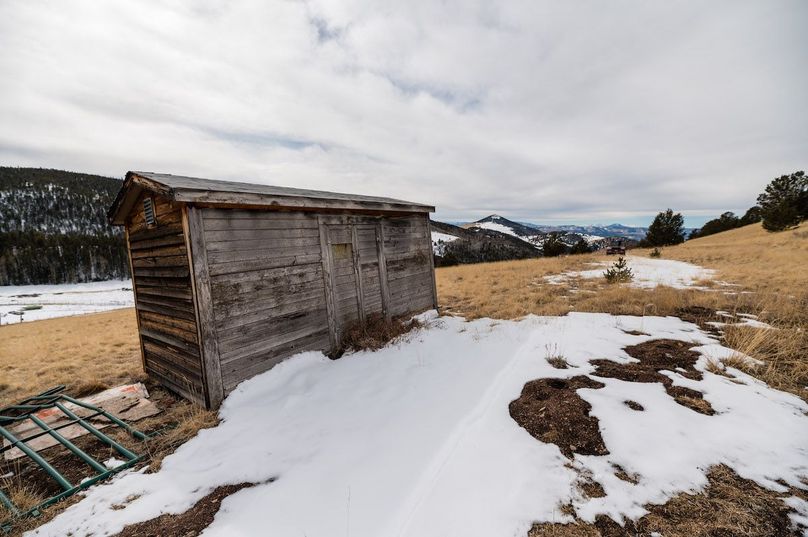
x=53, y=228
x=753, y=257
x=455, y=245
x=536, y=235
x=755, y=273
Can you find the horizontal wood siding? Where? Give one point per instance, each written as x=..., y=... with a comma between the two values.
x=164, y=299
x=407, y=247
x=267, y=288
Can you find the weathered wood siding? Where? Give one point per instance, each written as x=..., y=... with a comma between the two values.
x=408, y=254
x=267, y=288
x=164, y=299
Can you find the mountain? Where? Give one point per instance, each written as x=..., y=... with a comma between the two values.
x=596, y=232
x=536, y=234
x=503, y=225
x=454, y=245
x=53, y=228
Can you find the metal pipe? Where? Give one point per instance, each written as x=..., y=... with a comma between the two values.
x=43, y=433
x=64, y=483
x=5, y=500
x=98, y=434
x=98, y=467
x=134, y=432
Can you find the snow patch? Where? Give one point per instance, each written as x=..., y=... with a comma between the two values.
x=440, y=240
x=38, y=302
x=648, y=273
x=415, y=440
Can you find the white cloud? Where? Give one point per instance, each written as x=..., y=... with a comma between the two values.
x=536, y=110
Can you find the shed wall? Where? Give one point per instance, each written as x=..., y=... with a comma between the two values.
x=164, y=299
x=267, y=288
x=408, y=251
x=267, y=277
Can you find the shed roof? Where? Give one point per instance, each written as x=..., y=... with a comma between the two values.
x=227, y=193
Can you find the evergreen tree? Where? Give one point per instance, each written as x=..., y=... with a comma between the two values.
x=553, y=246
x=668, y=228
x=580, y=247
x=752, y=216
x=784, y=202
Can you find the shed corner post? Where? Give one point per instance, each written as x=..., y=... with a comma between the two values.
x=134, y=292
x=203, y=306
x=325, y=254
x=431, y=256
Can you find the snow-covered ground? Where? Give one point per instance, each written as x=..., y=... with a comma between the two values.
x=416, y=440
x=648, y=273
x=440, y=240
x=63, y=299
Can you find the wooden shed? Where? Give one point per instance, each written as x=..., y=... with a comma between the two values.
x=231, y=278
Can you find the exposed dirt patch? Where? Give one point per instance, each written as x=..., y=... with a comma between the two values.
x=188, y=524
x=620, y=473
x=655, y=356
x=635, y=333
x=591, y=488
x=551, y=411
x=634, y=405
x=729, y=507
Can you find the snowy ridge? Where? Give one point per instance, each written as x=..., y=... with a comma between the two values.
x=440, y=240
x=395, y=443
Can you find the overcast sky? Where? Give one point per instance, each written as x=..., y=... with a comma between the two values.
x=556, y=112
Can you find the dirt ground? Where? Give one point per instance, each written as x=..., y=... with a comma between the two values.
x=656, y=356
x=552, y=411
x=188, y=524
x=728, y=507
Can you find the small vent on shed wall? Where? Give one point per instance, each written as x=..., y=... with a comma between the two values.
x=148, y=212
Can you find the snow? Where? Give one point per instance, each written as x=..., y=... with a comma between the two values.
x=415, y=440
x=532, y=240
x=499, y=227
x=648, y=273
x=61, y=300
x=439, y=241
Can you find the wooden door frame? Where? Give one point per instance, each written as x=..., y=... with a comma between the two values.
x=354, y=222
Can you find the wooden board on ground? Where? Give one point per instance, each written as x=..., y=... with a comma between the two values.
x=129, y=403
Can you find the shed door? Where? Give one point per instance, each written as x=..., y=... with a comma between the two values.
x=351, y=259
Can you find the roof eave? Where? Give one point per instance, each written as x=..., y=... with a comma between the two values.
x=204, y=197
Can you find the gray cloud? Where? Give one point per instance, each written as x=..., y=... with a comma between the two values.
x=548, y=111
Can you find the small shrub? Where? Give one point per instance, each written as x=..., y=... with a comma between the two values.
x=656, y=252
x=374, y=334
x=559, y=362
x=619, y=272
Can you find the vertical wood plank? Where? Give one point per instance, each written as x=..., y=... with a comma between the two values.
x=383, y=282
x=203, y=303
x=134, y=291
x=357, y=266
x=328, y=263
x=431, y=256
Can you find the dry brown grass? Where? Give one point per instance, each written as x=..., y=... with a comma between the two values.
x=375, y=333
x=88, y=353
x=729, y=506
x=769, y=270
